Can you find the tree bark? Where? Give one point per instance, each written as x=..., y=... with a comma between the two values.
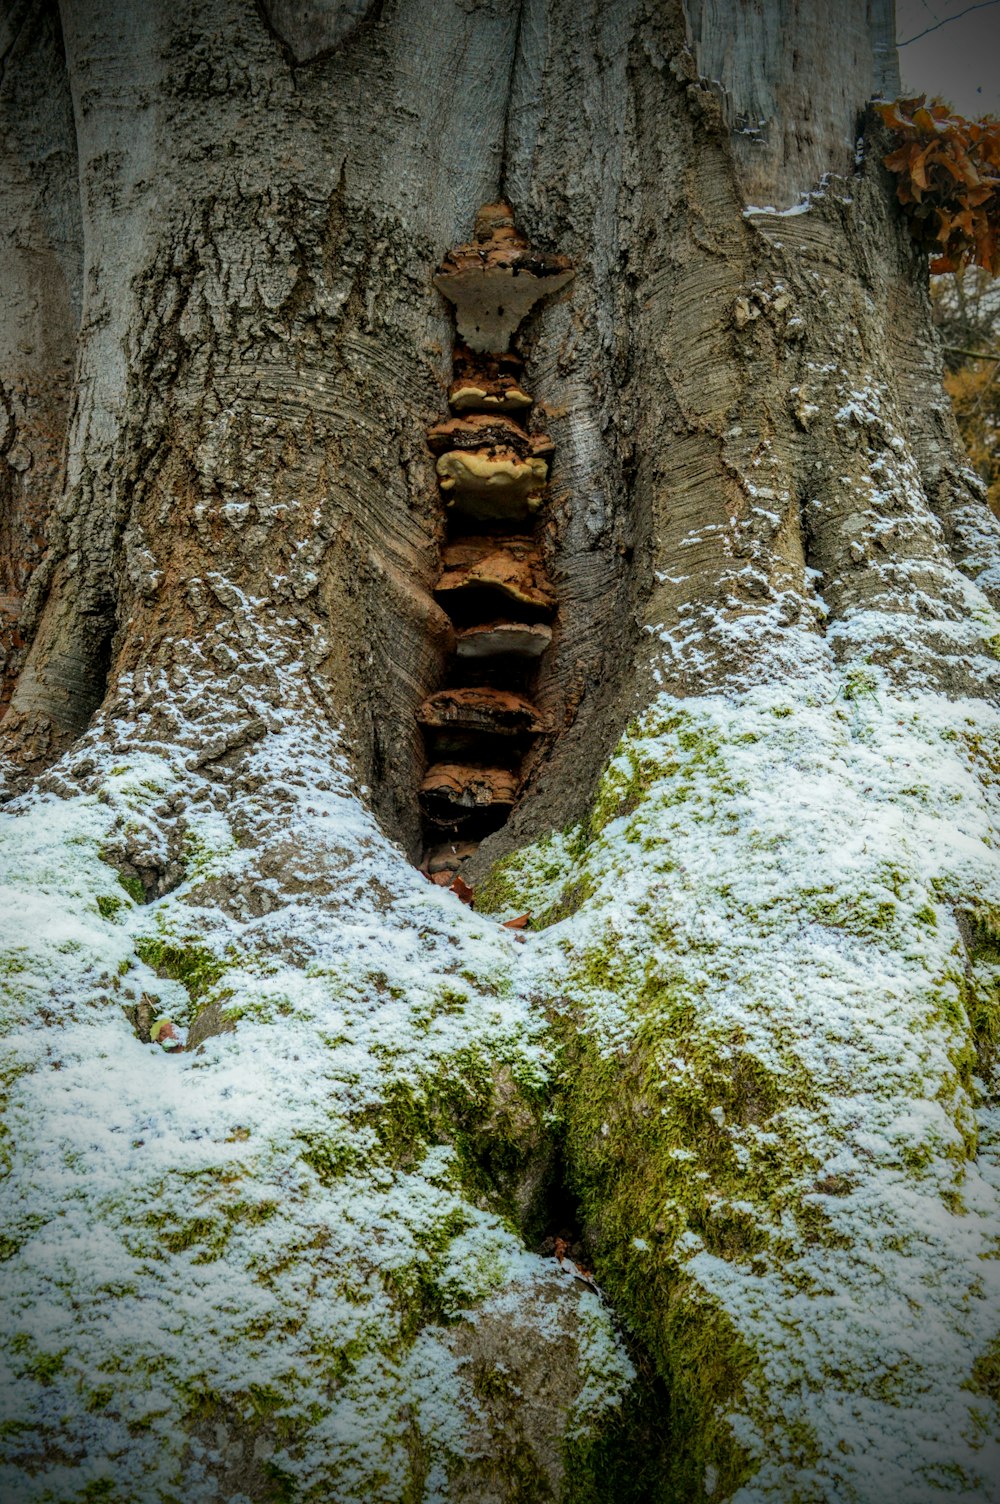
x=758, y=511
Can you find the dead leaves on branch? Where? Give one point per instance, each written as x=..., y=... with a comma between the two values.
x=949, y=182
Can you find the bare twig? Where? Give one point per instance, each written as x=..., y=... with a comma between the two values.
x=972, y=354
x=938, y=24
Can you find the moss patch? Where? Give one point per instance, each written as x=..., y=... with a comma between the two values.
x=194, y=966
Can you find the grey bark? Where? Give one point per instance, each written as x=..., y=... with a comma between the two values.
x=261, y=348
x=41, y=249
x=247, y=529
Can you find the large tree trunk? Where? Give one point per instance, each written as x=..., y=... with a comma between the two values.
x=748, y=1053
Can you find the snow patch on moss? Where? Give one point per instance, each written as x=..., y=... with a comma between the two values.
x=778, y=1122
x=247, y=1267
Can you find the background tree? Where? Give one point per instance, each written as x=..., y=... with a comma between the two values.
x=966, y=311
x=748, y=1057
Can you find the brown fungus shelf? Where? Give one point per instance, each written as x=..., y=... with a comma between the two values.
x=493, y=473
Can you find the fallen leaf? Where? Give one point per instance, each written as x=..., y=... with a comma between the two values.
x=520, y=923
x=164, y=1033
x=462, y=890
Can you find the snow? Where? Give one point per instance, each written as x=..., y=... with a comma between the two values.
x=228, y=1232
x=800, y=208
x=808, y=854
x=282, y=1235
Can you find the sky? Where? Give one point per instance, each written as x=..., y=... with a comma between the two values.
x=960, y=61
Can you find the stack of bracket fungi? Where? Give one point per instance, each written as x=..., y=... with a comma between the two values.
x=493, y=473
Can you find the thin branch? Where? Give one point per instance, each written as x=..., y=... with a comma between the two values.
x=972, y=354
x=938, y=24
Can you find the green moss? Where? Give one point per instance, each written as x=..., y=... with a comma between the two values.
x=282, y=1486
x=652, y=1144
x=621, y=790
x=194, y=966
x=499, y=1127
x=36, y=1362
x=329, y=1158
x=247, y=1415
x=860, y=913
x=526, y=879
x=202, y=857
x=416, y=1289
x=986, y=1372
x=108, y=905
x=604, y=966
x=981, y=998
x=860, y=684
x=500, y=888
x=209, y=1233
x=571, y=899
x=101, y=1491
x=133, y=887
x=446, y=1000
x=627, y=1457
x=516, y=1475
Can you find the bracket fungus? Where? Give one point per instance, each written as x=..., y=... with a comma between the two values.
x=497, y=279
x=492, y=474
x=455, y=790
x=482, y=708
x=492, y=487
x=506, y=573
x=498, y=639
x=489, y=431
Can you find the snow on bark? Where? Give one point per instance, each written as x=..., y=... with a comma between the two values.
x=289, y=1256
x=759, y=1017
x=772, y=957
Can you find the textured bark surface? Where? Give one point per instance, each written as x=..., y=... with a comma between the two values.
x=792, y=80
x=41, y=246
x=754, y=478
x=258, y=304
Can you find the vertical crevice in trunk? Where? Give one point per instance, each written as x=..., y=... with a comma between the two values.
x=482, y=726
x=259, y=357
x=516, y=62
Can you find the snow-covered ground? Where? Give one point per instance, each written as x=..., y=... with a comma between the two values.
x=759, y=1008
